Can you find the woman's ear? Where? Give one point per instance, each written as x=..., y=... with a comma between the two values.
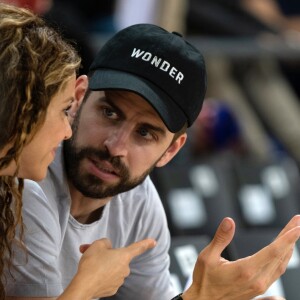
x=81, y=87
x=172, y=150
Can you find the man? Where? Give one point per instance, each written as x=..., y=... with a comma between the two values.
x=146, y=86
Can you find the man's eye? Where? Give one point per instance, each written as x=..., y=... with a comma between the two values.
x=144, y=132
x=147, y=134
x=109, y=113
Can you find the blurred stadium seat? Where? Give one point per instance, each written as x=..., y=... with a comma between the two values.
x=184, y=251
x=197, y=195
x=267, y=192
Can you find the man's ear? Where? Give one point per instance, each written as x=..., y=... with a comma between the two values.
x=172, y=150
x=81, y=87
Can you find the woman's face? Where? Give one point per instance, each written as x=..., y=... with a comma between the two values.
x=40, y=151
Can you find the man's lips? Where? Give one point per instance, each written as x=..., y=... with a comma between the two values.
x=104, y=167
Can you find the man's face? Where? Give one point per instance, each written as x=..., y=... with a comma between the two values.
x=118, y=138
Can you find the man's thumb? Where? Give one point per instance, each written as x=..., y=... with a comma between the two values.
x=223, y=237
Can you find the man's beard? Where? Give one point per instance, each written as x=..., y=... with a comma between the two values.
x=90, y=185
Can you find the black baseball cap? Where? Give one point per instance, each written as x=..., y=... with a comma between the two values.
x=158, y=65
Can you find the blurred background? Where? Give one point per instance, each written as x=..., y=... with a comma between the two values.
x=243, y=152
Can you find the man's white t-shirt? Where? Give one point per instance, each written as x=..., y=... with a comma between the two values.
x=53, y=237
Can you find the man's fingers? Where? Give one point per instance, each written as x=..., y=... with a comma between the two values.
x=133, y=250
x=84, y=247
x=295, y=221
x=101, y=243
x=282, y=262
x=222, y=238
x=279, y=246
x=140, y=247
x=276, y=254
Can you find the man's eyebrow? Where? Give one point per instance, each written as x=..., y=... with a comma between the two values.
x=111, y=103
x=157, y=129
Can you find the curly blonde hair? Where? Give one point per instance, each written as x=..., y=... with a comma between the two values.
x=35, y=65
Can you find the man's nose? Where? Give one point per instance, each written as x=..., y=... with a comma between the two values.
x=117, y=143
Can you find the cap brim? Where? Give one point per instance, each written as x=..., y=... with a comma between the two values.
x=169, y=112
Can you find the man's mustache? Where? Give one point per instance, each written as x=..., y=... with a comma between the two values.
x=115, y=161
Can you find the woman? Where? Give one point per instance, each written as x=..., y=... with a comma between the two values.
x=38, y=84
x=35, y=65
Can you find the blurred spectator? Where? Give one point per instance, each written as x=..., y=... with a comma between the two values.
x=38, y=6
x=71, y=24
x=280, y=14
x=216, y=129
x=223, y=18
x=76, y=20
x=285, y=16
x=264, y=101
x=129, y=12
x=169, y=14
x=98, y=16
